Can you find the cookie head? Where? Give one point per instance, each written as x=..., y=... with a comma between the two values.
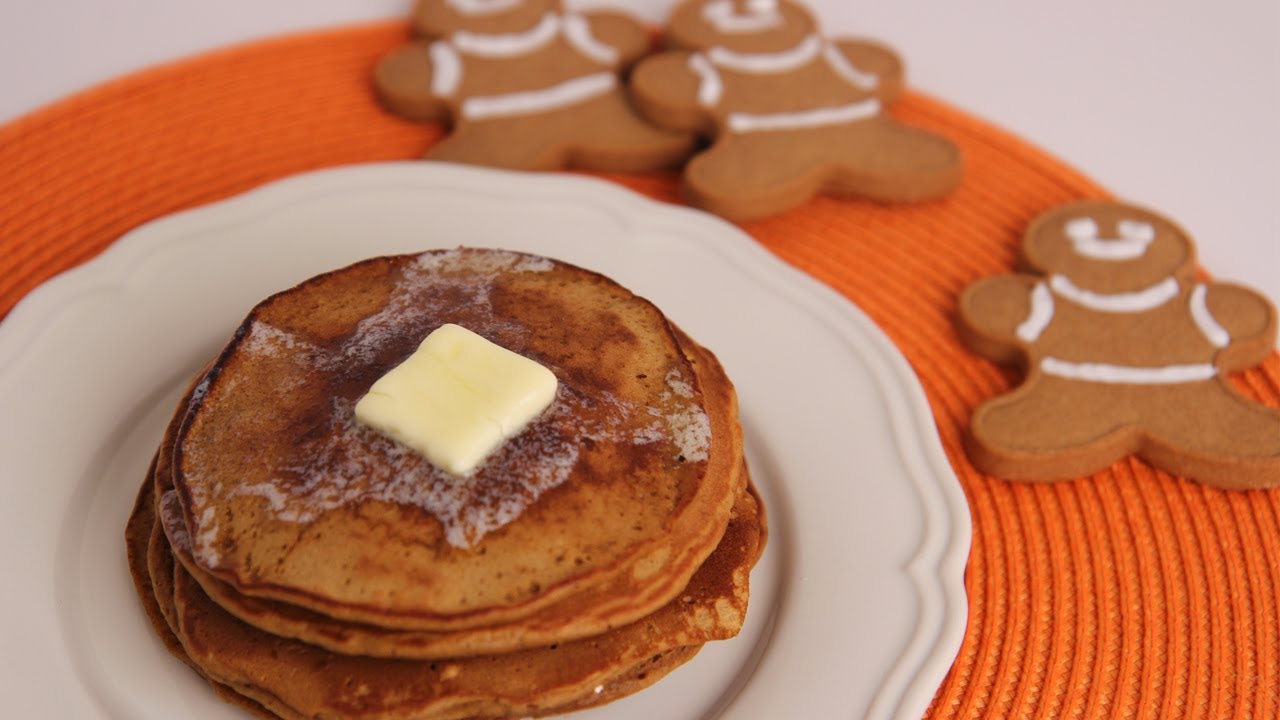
x=1108, y=247
x=440, y=18
x=746, y=26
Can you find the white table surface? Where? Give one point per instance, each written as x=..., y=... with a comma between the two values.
x=1174, y=104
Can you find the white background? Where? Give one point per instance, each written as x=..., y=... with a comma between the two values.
x=1174, y=104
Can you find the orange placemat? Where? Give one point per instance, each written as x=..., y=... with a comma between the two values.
x=1129, y=594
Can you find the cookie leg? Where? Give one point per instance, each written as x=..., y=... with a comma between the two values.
x=513, y=144
x=882, y=159
x=1210, y=433
x=749, y=176
x=606, y=134
x=1051, y=429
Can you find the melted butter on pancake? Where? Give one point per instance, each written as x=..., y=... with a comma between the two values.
x=457, y=398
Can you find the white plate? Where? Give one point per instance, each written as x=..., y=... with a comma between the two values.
x=857, y=608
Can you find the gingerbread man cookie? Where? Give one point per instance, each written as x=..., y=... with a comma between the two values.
x=1125, y=353
x=527, y=86
x=792, y=113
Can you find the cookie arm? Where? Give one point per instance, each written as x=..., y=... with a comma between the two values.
x=991, y=312
x=403, y=81
x=621, y=32
x=867, y=57
x=1249, y=321
x=665, y=89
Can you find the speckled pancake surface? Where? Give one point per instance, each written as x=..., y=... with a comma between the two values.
x=566, y=620
x=622, y=487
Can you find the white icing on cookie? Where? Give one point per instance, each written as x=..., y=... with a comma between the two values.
x=1135, y=236
x=852, y=74
x=503, y=45
x=1081, y=228
x=1136, y=230
x=1118, y=249
x=768, y=63
x=446, y=69
x=1040, y=316
x=805, y=52
x=710, y=86
x=818, y=117
x=1209, y=327
x=1134, y=302
x=578, y=32
x=482, y=7
x=528, y=102
x=1127, y=374
x=763, y=15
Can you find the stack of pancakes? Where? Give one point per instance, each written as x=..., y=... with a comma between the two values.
x=309, y=567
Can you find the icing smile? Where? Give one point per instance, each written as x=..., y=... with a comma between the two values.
x=482, y=7
x=1134, y=237
x=762, y=15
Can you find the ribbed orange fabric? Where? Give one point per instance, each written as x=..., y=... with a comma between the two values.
x=1128, y=594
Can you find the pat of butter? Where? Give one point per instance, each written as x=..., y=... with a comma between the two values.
x=457, y=398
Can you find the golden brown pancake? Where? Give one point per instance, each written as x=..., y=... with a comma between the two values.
x=295, y=679
x=634, y=679
x=566, y=620
x=139, y=533
x=723, y=577
x=350, y=638
x=609, y=501
x=308, y=567
x=147, y=552
x=316, y=683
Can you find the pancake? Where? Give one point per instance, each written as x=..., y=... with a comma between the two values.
x=139, y=533
x=637, y=678
x=608, y=502
x=296, y=680
x=719, y=589
x=147, y=553
x=308, y=567
x=568, y=619
x=349, y=638
x=312, y=682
